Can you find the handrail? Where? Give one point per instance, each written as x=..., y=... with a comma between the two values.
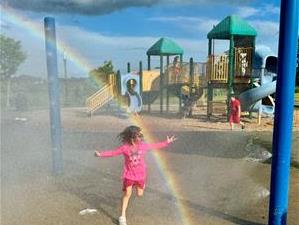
x=218, y=68
x=98, y=92
x=100, y=98
x=181, y=74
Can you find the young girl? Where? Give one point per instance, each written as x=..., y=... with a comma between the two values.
x=134, y=170
x=235, y=112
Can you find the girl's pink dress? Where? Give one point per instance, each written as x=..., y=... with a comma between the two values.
x=134, y=165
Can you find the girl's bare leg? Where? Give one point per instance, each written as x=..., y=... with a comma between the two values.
x=140, y=191
x=125, y=200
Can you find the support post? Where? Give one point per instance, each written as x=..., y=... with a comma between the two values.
x=167, y=84
x=54, y=99
x=191, y=81
x=128, y=67
x=209, y=85
x=148, y=62
x=210, y=47
x=209, y=100
x=149, y=93
x=282, y=135
x=141, y=77
x=180, y=74
x=161, y=83
x=231, y=73
x=119, y=97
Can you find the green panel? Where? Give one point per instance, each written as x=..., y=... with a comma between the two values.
x=231, y=25
x=165, y=46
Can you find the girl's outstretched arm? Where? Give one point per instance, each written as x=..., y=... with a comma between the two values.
x=109, y=153
x=159, y=145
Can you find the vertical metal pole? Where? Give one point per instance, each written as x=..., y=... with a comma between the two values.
x=161, y=83
x=252, y=59
x=210, y=47
x=53, y=82
x=167, y=84
x=148, y=93
x=209, y=86
x=141, y=81
x=210, y=99
x=118, y=82
x=128, y=67
x=231, y=74
x=119, y=96
x=282, y=136
x=180, y=74
x=141, y=77
x=148, y=62
x=191, y=82
x=191, y=73
x=181, y=60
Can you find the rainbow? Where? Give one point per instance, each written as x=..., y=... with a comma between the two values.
x=36, y=30
x=169, y=177
x=62, y=47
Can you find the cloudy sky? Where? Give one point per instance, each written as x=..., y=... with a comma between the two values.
x=90, y=32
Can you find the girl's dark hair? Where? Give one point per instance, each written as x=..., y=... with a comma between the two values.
x=130, y=133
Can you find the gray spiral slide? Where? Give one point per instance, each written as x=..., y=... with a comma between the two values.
x=250, y=97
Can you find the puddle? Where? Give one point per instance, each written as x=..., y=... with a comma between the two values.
x=256, y=152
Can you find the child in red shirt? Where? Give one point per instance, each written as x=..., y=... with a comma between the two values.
x=235, y=112
x=134, y=170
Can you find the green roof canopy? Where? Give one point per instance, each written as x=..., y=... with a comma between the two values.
x=231, y=25
x=165, y=46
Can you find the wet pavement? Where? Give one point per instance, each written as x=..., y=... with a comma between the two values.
x=210, y=175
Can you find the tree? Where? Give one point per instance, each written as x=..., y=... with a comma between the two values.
x=11, y=57
x=102, y=72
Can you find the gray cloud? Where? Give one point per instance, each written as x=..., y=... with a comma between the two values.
x=87, y=7
x=98, y=7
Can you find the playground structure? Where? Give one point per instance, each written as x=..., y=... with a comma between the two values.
x=231, y=71
x=175, y=79
x=247, y=71
x=264, y=84
x=147, y=87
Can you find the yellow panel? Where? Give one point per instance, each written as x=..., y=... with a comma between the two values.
x=150, y=80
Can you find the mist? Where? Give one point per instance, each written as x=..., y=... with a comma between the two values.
x=209, y=175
